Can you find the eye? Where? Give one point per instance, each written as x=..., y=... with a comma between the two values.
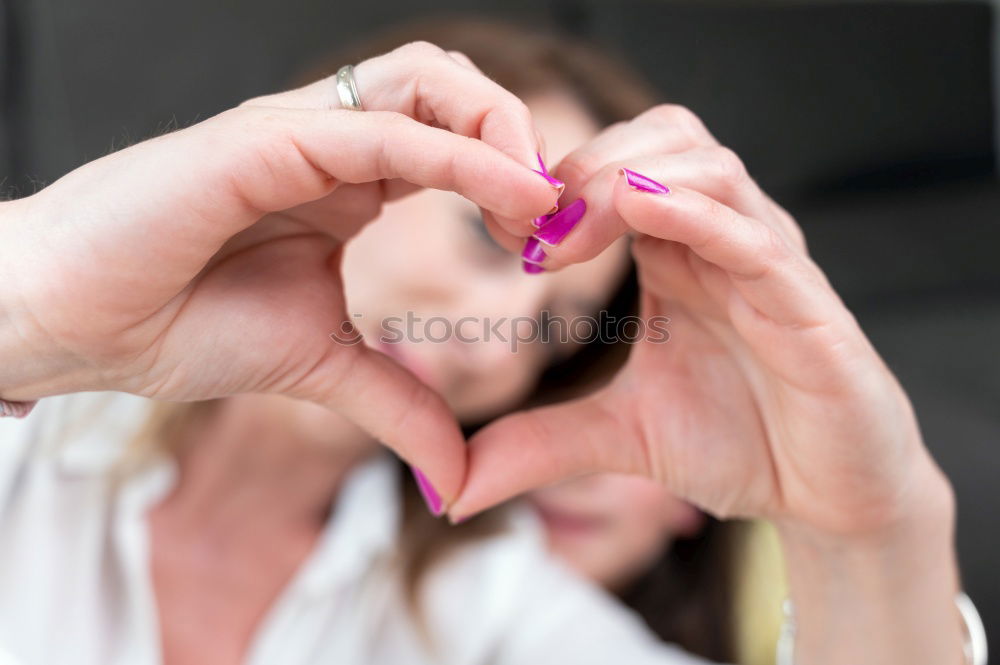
x=484, y=241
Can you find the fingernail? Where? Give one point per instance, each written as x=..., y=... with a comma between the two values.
x=532, y=268
x=538, y=221
x=641, y=183
x=533, y=252
x=555, y=229
x=433, y=499
x=455, y=521
x=544, y=172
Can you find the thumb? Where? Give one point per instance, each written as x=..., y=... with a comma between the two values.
x=533, y=448
x=394, y=406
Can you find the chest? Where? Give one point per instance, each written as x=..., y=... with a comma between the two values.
x=214, y=590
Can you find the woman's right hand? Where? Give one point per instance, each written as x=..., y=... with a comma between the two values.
x=205, y=262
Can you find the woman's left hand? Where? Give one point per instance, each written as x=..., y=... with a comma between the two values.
x=767, y=400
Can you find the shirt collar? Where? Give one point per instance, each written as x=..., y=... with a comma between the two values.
x=93, y=430
x=363, y=526
x=87, y=433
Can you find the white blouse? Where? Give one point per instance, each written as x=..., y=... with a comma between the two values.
x=75, y=585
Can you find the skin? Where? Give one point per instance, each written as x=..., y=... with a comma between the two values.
x=461, y=271
x=767, y=401
x=236, y=225
x=242, y=518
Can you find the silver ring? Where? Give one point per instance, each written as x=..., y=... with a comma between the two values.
x=347, y=90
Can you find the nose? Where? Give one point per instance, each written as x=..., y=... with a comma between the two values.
x=484, y=345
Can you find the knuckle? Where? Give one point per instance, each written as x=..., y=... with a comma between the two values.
x=798, y=236
x=677, y=117
x=770, y=245
x=660, y=113
x=617, y=129
x=420, y=48
x=460, y=56
x=788, y=222
x=511, y=109
x=254, y=101
x=580, y=166
x=732, y=170
x=689, y=122
x=334, y=381
x=389, y=125
x=519, y=110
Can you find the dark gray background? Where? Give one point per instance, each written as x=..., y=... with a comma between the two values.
x=872, y=122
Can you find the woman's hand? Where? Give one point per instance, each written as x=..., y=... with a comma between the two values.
x=206, y=262
x=766, y=401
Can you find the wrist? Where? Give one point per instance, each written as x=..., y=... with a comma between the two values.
x=31, y=365
x=879, y=596
x=924, y=507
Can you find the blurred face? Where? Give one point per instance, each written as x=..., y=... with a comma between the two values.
x=429, y=260
x=428, y=257
x=610, y=527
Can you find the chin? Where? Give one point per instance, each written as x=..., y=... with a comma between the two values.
x=477, y=410
x=591, y=572
x=475, y=414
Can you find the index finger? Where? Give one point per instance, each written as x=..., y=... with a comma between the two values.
x=427, y=84
x=389, y=145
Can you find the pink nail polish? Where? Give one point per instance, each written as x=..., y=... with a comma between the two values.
x=560, y=224
x=544, y=172
x=433, y=499
x=532, y=268
x=538, y=221
x=533, y=252
x=641, y=183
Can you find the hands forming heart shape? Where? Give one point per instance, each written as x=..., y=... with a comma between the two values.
x=206, y=263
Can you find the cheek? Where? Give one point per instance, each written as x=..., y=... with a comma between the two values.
x=634, y=533
x=657, y=513
x=644, y=528
x=682, y=519
x=615, y=556
x=643, y=521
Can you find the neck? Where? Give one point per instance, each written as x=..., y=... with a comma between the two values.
x=253, y=464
